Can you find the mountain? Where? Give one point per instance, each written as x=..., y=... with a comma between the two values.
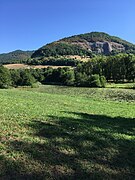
x=85, y=44
x=15, y=56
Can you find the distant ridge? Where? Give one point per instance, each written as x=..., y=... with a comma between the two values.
x=17, y=55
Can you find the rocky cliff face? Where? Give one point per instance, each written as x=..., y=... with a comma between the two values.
x=105, y=47
x=98, y=47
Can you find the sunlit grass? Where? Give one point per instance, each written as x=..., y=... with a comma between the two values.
x=66, y=133
x=121, y=85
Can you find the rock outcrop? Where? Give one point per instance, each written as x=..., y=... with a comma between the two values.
x=105, y=47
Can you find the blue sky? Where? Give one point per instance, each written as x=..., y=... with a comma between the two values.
x=29, y=24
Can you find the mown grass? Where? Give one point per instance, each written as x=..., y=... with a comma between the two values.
x=114, y=94
x=66, y=133
x=121, y=85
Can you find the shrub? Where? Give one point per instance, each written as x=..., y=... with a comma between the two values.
x=35, y=85
x=103, y=81
x=94, y=81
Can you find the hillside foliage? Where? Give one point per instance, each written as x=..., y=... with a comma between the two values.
x=60, y=49
x=15, y=56
x=80, y=45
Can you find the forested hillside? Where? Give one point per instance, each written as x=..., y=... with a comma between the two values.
x=15, y=56
x=86, y=45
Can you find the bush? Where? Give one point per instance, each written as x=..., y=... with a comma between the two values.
x=103, y=81
x=94, y=81
x=97, y=81
x=35, y=85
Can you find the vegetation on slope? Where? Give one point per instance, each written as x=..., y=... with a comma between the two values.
x=60, y=49
x=80, y=45
x=15, y=56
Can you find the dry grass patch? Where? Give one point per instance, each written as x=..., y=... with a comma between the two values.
x=24, y=66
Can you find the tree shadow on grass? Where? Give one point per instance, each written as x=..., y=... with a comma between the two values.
x=83, y=146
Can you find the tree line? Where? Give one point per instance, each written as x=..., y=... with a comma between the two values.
x=94, y=73
x=57, y=61
x=60, y=76
x=118, y=68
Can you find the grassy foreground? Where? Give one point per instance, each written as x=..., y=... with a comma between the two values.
x=66, y=133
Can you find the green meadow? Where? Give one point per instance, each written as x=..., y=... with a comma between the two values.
x=55, y=132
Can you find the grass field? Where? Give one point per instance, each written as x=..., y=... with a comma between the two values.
x=67, y=133
x=115, y=94
x=121, y=85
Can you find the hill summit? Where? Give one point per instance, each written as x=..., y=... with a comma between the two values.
x=86, y=44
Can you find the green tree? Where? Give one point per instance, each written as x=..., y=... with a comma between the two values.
x=68, y=77
x=5, y=77
x=15, y=77
x=81, y=79
x=26, y=78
